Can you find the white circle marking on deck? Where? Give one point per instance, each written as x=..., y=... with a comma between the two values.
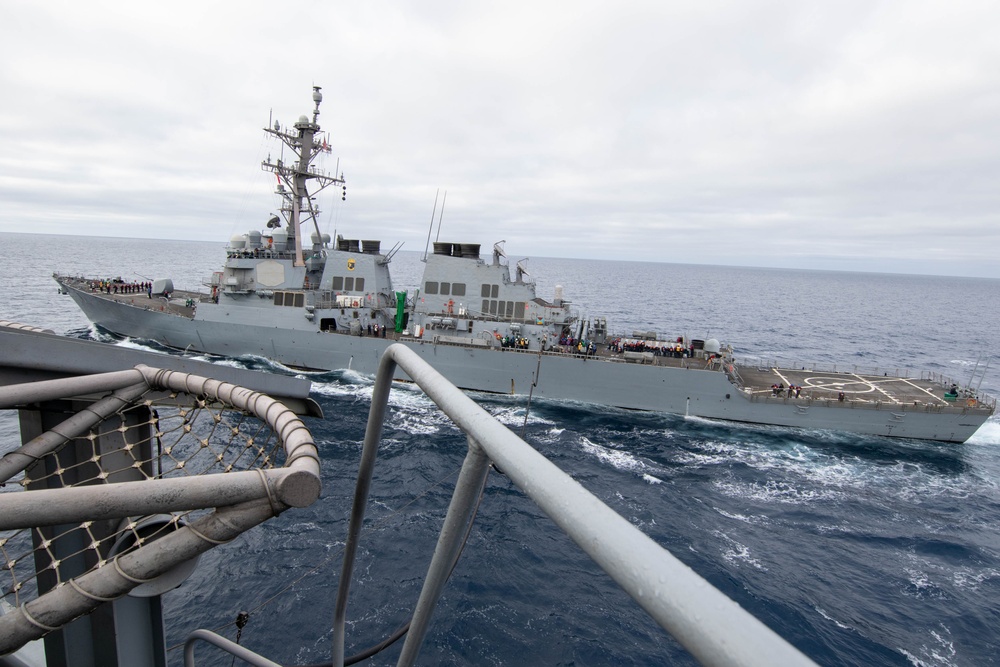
x=838, y=384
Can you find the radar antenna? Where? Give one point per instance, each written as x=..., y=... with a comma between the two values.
x=522, y=270
x=498, y=252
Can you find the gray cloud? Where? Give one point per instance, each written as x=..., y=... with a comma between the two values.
x=852, y=136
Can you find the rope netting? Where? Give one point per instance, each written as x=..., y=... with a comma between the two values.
x=131, y=488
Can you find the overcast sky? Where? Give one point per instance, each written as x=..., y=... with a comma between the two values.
x=835, y=135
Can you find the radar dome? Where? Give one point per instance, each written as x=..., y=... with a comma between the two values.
x=303, y=119
x=238, y=241
x=712, y=345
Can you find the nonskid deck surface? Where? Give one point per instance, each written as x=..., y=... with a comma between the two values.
x=872, y=388
x=178, y=303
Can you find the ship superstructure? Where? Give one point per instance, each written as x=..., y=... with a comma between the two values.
x=277, y=271
x=467, y=300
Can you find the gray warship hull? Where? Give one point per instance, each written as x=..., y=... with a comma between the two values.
x=911, y=408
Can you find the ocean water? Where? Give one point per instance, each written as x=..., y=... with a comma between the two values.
x=858, y=550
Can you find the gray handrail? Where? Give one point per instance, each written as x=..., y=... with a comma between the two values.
x=226, y=645
x=241, y=499
x=714, y=628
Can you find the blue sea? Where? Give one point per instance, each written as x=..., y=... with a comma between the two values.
x=857, y=550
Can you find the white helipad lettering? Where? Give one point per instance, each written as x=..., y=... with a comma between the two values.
x=859, y=386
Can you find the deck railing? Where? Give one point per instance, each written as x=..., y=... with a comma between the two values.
x=896, y=371
x=715, y=629
x=118, y=495
x=827, y=368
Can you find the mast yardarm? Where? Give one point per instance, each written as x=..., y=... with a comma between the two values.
x=294, y=176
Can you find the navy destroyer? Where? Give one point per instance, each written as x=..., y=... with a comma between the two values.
x=327, y=304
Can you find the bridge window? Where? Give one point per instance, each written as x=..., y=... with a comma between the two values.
x=458, y=289
x=348, y=284
x=431, y=288
x=445, y=288
x=338, y=283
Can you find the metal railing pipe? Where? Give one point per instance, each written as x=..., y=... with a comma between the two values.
x=51, y=507
x=84, y=593
x=715, y=629
x=49, y=390
x=470, y=484
x=15, y=461
x=230, y=647
x=366, y=468
x=303, y=484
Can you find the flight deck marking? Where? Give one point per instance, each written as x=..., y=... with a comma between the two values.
x=877, y=388
x=782, y=377
x=852, y=383
x=904, y=399
x=937, y=399
x=840, y=384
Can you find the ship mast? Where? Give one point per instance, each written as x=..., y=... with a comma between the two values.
x=293, y=179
